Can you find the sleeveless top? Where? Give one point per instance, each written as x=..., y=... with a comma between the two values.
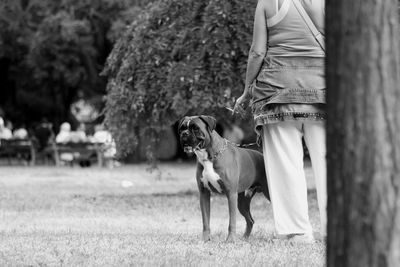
x=291, y=83
x=288, y=34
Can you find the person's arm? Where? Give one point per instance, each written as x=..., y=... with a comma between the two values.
x=256, y=54
x=259, y=45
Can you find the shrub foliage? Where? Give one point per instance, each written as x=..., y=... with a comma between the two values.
x=179, y=57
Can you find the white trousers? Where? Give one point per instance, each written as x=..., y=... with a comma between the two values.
x=283, y=155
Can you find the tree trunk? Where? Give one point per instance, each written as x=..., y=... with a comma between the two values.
x=363, y=133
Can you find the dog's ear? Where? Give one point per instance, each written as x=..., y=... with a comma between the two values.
x=210, y=121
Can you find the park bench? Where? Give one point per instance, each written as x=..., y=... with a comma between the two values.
x=20, y=149
x=79, y=152
x=26, y=150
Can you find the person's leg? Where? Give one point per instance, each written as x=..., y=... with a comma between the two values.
x=315, y=138
x=283, y=156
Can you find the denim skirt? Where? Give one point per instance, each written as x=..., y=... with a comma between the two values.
x=289, y=89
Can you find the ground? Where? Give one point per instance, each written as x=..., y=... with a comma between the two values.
x=128, y=216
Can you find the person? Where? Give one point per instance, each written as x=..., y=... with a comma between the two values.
x=285, y=83
x=20, y=133
x=79, y=136
x=44, y=134
x=105, y=138
x=5, y=132
x=64, y=136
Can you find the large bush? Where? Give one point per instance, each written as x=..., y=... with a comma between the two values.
x=179, y=57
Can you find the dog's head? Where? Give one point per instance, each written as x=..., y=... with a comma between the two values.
x=195, y=131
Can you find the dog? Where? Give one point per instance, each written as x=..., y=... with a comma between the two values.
x=224, y=168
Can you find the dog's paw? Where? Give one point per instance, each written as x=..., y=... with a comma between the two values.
x=246, y=236
x=231, y=238
x=206, y=236
x=206, y=239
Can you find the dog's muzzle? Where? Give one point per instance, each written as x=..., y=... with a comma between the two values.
x=190, y=142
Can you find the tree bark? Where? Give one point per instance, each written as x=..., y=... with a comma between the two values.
x=363, y=132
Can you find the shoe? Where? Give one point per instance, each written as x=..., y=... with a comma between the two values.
x=307, y=238
x=320, y=237
x=277, y=237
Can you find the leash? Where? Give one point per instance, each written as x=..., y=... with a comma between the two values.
x=222, y=150
x=247, y=145
x=239, y=145
x=242, y=145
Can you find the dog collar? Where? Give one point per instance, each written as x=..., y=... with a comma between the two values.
x=221, y=151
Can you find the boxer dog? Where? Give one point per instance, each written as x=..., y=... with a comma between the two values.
x=225, y=168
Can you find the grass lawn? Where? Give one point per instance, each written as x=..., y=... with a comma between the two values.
x=85, y=217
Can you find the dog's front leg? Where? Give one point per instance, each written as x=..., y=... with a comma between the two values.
x=205, y=212
x=232, y=203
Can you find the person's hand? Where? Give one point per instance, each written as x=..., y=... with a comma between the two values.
x=241, y=104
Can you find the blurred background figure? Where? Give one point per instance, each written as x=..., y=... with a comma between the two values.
x=78, y=136
x=20, y=133
x=67, y=136
x=5, y=132
x=64, y=136
x=44, y=140
x=44, y=134
x=101, y=135
x=109, y=150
